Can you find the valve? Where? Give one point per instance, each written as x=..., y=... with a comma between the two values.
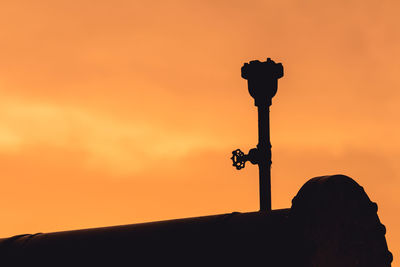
x=262, y=79
x=239, y=158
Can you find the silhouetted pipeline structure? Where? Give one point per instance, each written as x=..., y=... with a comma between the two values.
x=184, y=242
x=332, y=222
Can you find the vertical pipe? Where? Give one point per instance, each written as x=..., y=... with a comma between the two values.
x=264, y=164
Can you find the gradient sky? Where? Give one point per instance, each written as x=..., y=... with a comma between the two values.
x=117, y=112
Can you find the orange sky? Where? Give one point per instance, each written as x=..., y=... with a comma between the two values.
x=117, y=112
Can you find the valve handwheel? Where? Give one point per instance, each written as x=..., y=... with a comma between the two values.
x=238, y=159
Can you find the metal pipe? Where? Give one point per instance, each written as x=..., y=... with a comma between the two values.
x=264, y=158
x=217, y=240
x=262, y=80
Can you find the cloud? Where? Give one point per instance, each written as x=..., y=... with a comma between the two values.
x=109, y=143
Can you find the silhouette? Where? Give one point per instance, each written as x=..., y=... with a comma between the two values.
x=262, y=78
x=332, y=222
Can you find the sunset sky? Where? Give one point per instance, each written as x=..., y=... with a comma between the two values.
x=118, y=112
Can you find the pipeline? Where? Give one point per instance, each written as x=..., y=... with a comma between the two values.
x=332, y=222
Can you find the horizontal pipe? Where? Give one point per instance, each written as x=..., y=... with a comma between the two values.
x=226, y=238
